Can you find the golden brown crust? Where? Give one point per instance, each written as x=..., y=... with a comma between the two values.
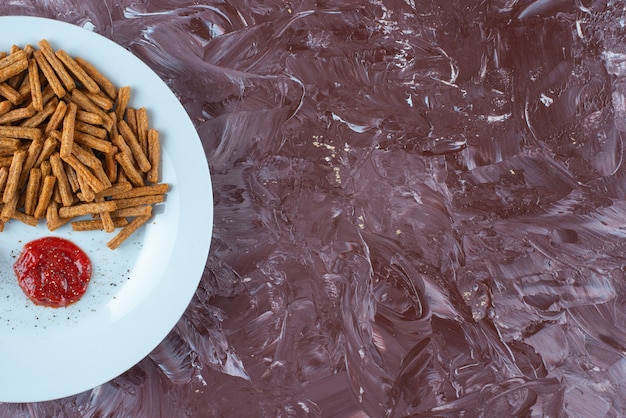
x=72, y=147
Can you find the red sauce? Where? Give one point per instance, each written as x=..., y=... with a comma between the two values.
x=53, y=271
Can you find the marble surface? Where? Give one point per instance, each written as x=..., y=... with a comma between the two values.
x=420, y=208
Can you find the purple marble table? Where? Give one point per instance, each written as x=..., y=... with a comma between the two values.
x=420, y=208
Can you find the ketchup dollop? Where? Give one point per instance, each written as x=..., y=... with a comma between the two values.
x=53, y=271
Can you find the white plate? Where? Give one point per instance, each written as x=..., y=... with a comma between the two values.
x=139, y=291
